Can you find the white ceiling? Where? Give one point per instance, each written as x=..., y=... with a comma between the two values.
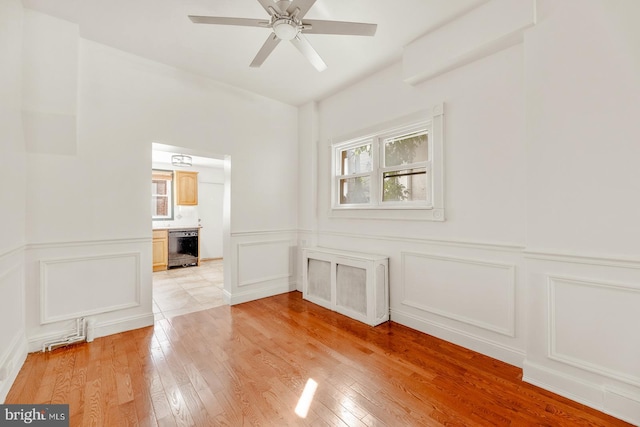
x=160, y=30
x=162, y=154
x=165, y=157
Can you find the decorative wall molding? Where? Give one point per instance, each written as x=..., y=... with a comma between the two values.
x=12, y=252
x=75, y=243
x=495, y=246
x=507, y=329
x=261, y=232
x=267, y=278
x=552, y=284
x=46, y=265
x=306, y=231
x=576, y=258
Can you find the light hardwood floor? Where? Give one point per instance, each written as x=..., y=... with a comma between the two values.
x=249, y=364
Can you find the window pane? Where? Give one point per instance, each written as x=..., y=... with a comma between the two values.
x=406, y=149
x=405, y=185
x=354, y=190
x=160, y=206
x=159, y=186
x=355, y=160
x=161, y=195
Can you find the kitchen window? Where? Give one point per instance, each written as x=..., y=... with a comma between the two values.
x=398, y=167
x=161, y=195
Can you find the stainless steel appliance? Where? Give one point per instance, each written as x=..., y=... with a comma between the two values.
x=183, y=247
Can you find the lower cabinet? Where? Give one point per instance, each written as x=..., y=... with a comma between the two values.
x=160, y=250
x=350, y=283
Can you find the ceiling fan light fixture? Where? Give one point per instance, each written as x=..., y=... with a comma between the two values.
x=285, y=29
x=181, y=160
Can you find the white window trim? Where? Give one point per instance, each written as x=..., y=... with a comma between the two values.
x=431, y=210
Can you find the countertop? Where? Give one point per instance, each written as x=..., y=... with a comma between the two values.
x=177, y=227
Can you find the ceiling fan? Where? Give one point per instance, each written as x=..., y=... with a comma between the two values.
x=286, y=21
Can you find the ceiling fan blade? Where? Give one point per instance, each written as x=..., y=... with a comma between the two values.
x=303, y=45
x=218, y=20
x=266, y=4
x=339, y=27
x=302, y=5
x=265, y=50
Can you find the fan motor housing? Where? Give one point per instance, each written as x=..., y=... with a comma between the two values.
x=285, y=28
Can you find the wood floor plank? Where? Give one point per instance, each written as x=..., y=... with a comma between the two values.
x=249, y=364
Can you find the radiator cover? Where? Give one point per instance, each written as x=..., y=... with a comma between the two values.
x=351, y=283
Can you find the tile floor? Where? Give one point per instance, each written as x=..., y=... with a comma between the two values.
x=185, y=290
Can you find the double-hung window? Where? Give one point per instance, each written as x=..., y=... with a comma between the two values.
x=161, y=195
x=394, y=168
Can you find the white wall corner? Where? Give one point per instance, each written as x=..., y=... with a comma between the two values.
x=483, y=31
x=11, y=362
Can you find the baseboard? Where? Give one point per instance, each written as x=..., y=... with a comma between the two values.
x=102, y=329
x=226, y=297
x=251, y=295
x=11, y=363
x=510, y=355
x=621, y=404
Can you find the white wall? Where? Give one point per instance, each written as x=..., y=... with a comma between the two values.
x=307, y=180
x=88, y=213
x=537, y=261
x=211, y=210
x=582, y=128
x=484, y=202
x=13, y=349
x=582, y=67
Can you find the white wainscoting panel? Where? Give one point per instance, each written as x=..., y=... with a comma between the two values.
x=472, y=291
x=81, y=286
x=589, y=326
x=263, y=261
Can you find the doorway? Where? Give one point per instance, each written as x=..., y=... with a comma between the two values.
x=181, y=290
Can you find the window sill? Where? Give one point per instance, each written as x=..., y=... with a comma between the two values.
x=409, y=213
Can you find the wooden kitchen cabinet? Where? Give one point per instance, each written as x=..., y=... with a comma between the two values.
x=160, y=250
x=186, y=188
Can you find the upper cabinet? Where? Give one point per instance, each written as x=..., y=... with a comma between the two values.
x=186, y=185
